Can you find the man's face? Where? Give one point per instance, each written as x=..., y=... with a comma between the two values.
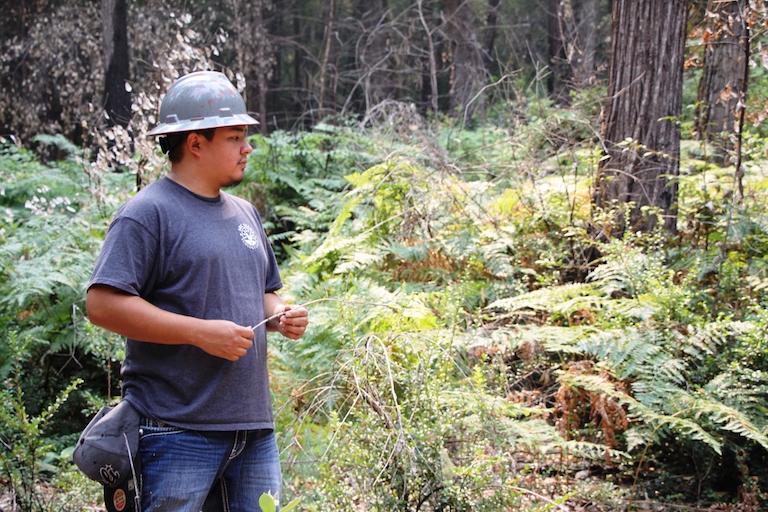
x=227, y=154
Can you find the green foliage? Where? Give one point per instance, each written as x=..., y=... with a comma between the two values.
x=27, y=453
x=51, y=224
x=50, y=231
x=470, y=340
x=408, y=425
x=667, y=362
x=294, y=178
x=424, y=268
x=267, y=504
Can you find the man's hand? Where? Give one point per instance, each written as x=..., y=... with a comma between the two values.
x=293, y=322
x=225, y=339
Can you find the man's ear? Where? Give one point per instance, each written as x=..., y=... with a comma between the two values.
x=194, y=143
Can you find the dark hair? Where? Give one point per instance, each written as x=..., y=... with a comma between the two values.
x=177, y=141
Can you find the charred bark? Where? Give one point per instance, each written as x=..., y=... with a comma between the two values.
x=489, y=38
x=117, y=98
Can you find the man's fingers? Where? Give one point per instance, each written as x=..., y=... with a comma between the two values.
x=295, y=312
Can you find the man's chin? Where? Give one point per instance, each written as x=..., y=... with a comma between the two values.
x=232, y=183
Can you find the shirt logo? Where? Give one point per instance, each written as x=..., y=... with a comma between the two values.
x=248, y=236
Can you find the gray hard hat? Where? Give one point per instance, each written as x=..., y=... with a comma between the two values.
x=201, y=100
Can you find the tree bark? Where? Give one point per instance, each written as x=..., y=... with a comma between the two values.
x=557, y=77
x=430, y=93
x=572, y=37
x=374, y=54
x=468, y=68
x=583, y=41
x=326, y=56
x=722, y=79
x=491, y=17
x=117, y=99
x=255, y=59
x=264, y=63
x=641, y=137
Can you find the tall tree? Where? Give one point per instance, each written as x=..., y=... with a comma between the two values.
x=374, y=51
x=329, y=30
x=572, y=27
x=556, y=51
x=117, y=95
x=641, y=137
x=723, y=77
x=468, y=64
x=489, y=38
x=255, y=58
x=579, y=24
x=429, y=90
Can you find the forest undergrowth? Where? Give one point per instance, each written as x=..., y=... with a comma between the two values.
x=474, y=343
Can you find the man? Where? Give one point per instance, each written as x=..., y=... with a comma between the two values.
x=187, y=275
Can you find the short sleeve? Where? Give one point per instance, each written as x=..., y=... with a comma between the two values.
x=127, y=259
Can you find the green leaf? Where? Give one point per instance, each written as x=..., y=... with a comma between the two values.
x=292, y=505
x=267, y=503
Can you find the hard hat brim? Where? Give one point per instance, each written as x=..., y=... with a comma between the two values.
x=191, y=125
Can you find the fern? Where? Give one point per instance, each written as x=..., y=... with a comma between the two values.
x=652, y=427
x=659, y=365
x=562, y=300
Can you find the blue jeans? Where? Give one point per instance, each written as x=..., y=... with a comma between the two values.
x=193, y=471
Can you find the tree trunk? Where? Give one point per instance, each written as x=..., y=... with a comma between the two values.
x=468, y=69
x=429, y=90
x=117, y=99
x=557, y=77
x=264, y=61
x=583, y=41
x=255, y=59
x=641, y=137
x=375, y=55
x=326, y=57
x=491, y=17
x=572, y=35
x=722, y=79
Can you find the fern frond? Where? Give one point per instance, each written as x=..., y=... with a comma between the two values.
x=334, y=244
x=598, y=384
x=637, y=354
x=565, y=297
x=622, y=272
x=633, y=309
x=744, y=389
x=553, y=339
x=495, y=249
x=731, y=420
x=705, y=340
x=656, y=426
x=541, y=438
x=357, y=260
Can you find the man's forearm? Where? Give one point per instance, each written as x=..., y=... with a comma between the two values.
x=133, y=317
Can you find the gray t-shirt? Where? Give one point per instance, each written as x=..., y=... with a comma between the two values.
x=200, y=257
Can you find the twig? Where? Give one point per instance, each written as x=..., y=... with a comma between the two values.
x=324, y=299
x=540, y=496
